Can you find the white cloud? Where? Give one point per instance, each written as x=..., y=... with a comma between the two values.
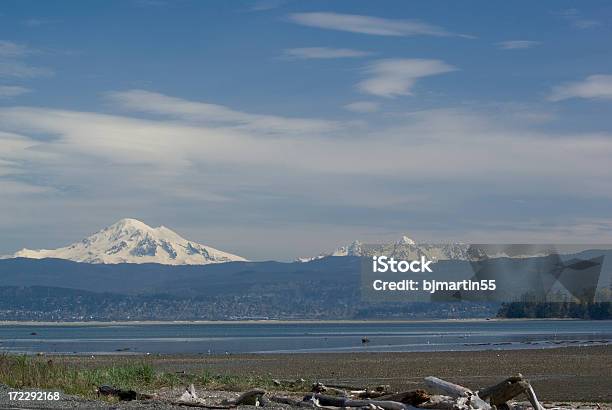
x=395, y=77
x=597, y=86
x=448, y=144
x=12, y=49
x=9, y=91
x=18, y=69
x=517, y=44
x=363, y=106
x=11, y=64
x=217, y=115
x=575, y=18
x=355, y=23
x=323, y=52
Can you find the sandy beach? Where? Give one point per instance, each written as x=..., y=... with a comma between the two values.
x=559, y=374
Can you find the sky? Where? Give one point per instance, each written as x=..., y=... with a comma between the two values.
x=277, y=129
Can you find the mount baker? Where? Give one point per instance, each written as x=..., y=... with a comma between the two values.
x=132, y=241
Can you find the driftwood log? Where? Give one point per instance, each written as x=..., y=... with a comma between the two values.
x=333, y=401
x=533, y=399
x=412, y=397
x=448, y=388
x=190, y=398
x=251, y=398
x=121, y=394
x=290, y=402
x=457, y=392
x=499, y=394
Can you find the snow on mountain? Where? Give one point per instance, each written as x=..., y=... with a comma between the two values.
x=405, y=248
x=132, y=241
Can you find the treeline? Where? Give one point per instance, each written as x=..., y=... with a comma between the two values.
x=593, y=311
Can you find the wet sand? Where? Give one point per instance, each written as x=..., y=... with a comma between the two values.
x=560, y=374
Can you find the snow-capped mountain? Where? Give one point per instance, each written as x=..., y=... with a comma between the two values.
x=132, y=241
x=405, y=248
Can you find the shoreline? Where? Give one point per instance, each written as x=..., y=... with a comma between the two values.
x=280, y=321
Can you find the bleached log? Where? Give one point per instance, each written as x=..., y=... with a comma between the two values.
x=477, y=403
x=440, y=402
x=324, y=400
x=448, y=388
x=533, y=399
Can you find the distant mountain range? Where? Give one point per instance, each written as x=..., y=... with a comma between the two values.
x=132, y=241
x=405, y=248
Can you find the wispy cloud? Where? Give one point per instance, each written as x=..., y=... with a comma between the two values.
x=517, y=44
x=575, y=18
x=12, y=64
x=355, y=23
x=9, y=49
x=18, y=69
x=363, y=106
x=395, y=77
x=323, y=52
x=37, y=22
x=263, y=5
x=217, y=115
x=597, y=86
x=9, y=91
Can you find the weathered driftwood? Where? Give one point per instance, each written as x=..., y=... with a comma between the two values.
x=366, y=393
x=448, y=388
x=412, y=397
x=121, y=394
x=190, y=398
x=533, y=399
x=333, y=401
x=440, y=402
x=251, y=397
x=347, y=391
x=501, y=392
x=322, y=388
x=290, y=402
x=298, y=403
x=458, y=392
x=476, y=402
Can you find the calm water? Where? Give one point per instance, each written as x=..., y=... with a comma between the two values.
x=302, y=337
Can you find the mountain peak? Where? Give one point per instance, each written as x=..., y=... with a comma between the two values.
x=132, y=241
x=130, y=222
x=406, y=241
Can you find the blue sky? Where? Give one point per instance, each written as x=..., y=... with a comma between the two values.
x=275, y=129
